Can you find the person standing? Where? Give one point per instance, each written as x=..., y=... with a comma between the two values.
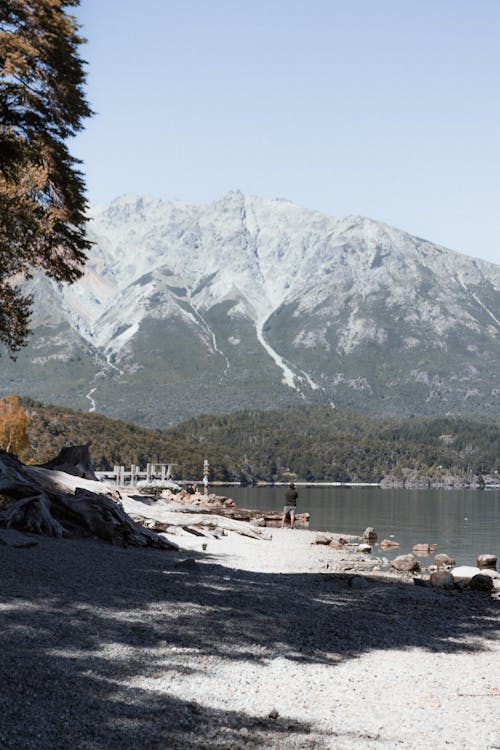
x=290, y=506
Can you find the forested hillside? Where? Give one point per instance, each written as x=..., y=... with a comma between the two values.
x=324, y=444
x=305, y=443
x=112, y=441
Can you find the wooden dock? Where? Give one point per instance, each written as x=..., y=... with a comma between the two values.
x=122, y=477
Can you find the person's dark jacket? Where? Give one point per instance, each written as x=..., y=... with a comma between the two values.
x=291, y=497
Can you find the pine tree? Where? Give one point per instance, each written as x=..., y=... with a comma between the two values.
x=42, y=192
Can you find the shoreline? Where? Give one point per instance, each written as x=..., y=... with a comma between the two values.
x=332, y=552
x=389, y=544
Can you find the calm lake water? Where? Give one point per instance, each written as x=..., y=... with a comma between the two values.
x=464, y=523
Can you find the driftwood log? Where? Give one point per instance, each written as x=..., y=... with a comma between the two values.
x=56, y=503
x=220, y=505
x=268, y=517
x=209, y=525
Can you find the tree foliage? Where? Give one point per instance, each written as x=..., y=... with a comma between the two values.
x=14, y=423
x=304, y=443
x=42, y=199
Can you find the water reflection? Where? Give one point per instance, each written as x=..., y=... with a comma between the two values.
x=463, y=523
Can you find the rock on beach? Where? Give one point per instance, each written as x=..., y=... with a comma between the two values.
x=406, y=564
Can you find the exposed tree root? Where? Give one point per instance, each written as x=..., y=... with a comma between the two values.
x=57, y=509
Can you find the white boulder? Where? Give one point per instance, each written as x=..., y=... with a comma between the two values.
x=464, y=572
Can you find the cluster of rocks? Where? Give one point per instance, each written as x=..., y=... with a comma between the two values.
x=199, y=499
x=362, y=544
x=414, y=480
x=443, y=574
x=342, y=541
x=172, y=492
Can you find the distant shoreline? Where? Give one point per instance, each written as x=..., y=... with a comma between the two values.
x=297, y=483
x=380, y=485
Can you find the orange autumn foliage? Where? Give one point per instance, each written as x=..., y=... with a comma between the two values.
x=14, y=424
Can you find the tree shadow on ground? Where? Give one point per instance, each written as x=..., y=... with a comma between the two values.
x=93, y=640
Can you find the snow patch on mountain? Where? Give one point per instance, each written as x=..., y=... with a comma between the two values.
x=92, y=401
x=288, y=375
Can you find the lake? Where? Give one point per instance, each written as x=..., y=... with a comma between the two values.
x=464, y=523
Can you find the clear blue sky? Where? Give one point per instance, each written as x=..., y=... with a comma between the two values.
x=385, y=108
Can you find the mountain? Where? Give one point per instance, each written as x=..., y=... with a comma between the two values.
x=253, y=303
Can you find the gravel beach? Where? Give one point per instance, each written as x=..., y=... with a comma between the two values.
x=250, y=644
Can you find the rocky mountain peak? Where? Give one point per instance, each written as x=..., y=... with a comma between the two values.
x=249, y=302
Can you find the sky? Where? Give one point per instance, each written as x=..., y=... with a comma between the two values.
x=382, y=108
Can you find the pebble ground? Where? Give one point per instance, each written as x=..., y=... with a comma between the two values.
x=251, y=645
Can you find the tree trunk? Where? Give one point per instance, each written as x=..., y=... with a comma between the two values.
x=56, y=506
x=74, y=459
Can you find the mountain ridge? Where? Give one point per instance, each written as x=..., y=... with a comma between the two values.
x=253, y=303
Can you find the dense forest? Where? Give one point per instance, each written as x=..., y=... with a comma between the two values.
x=303, y=443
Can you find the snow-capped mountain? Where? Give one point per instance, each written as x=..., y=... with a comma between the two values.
x=253, y=303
